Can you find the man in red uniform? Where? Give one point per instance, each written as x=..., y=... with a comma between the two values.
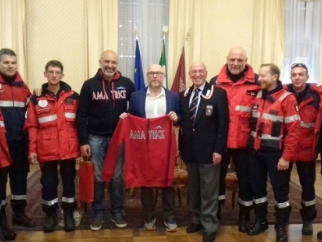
x=240, y=83
x=275, y=131
x=14, y=97
x=305, y=157
x=53, y=141
x=5, y=163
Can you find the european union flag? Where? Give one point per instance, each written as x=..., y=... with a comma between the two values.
x=138, y=72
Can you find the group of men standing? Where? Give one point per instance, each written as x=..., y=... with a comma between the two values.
x=250, y=119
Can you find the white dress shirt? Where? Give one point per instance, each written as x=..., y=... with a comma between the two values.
x=155, y=106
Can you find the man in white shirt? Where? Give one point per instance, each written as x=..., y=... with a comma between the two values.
x=152, y=102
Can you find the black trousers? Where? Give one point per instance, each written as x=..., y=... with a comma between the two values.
x=4, y=171
x=18, y=172
x=260, y=166
x=49, y=181
x=240, y=158
x=307, y=176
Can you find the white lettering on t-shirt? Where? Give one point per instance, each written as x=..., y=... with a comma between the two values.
x=99, y=96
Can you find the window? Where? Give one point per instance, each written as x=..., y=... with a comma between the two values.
x=302, y=25
x=148, y=17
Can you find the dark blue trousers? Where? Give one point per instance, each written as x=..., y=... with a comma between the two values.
x=262, y=164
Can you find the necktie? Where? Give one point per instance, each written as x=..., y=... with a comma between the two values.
x=193, y=105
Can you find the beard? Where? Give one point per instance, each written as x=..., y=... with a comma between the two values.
x=108, y=73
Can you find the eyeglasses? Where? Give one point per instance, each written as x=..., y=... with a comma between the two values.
x=197, y=71
x=158, y=74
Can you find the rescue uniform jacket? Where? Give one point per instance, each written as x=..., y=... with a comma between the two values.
x=14, y=98
x=275, y=123
x=150, y=149
x=5, y=159
x=100, y=105
x=241, y=95
x=310, y=110
x=51, y=124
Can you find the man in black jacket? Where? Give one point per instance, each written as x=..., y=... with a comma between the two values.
x=205, y=119
x=102, y=99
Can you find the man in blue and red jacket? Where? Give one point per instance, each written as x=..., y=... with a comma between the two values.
x=275, y=131
x=240, y=82
x=53, y=141
x=305, y=157
x=14, y=97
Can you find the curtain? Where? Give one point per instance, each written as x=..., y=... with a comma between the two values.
x=184, y=16
x=13, y=31
x=147, y=17
x=101, y=33
x=303, y=21
x=268, y=33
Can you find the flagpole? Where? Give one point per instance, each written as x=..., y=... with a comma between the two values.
x=187, y=38
x=135, y=33
x=163, y=58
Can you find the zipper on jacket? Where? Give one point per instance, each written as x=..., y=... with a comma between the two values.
x=147, y=131
x=14, y=110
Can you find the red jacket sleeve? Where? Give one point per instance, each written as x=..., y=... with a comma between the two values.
x=113, y=150
x=32, y=125
x=292, y=126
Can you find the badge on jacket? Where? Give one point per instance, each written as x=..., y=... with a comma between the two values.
x=42, y=103
x=209, y=110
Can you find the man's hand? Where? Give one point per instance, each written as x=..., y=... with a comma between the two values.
x=282, y=164
x=216, y=158
x=37, y=92
x=85, y=151
x=123, y=116
x=173, y=116
x=32, y=158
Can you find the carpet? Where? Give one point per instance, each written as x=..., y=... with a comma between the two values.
x=134, y=212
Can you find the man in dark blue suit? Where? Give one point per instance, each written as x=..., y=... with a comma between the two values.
x=203, y=140
x=152, y=102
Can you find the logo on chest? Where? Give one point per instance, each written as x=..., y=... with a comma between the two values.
x=273, y=112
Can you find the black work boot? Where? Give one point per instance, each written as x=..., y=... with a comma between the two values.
x=50, y=219
x=244, y=218
x=261, y=223
x=281, y=234
x=244, y=224
x=7, y=232
x=319, y=234
x=50, y=223
x=69, y=222
x=307, y=228
x=308, y=214
x=259, y=226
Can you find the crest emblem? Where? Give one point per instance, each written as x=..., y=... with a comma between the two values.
x=42, y=103
x=209, y=110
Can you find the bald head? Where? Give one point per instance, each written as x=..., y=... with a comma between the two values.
x=155, y=68
x=236, y=60
x=108, y=63
x=198, y=73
